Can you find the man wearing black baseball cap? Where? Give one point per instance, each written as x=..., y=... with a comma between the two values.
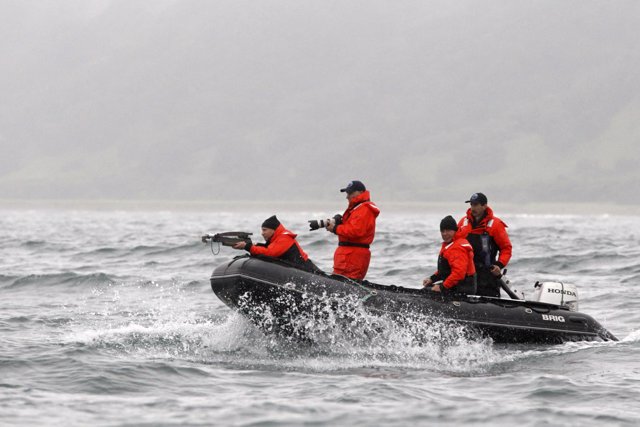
x=478, y=198
x=488, y=236
x=353, y=186
x=355, y=232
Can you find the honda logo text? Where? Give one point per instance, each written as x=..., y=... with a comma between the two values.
x=561, y=291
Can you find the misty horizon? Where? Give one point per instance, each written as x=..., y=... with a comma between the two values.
x=424, y=102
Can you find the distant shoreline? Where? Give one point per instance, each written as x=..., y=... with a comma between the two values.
x=319, y=206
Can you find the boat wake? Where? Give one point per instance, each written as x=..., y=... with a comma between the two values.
x=337, y=335
x=634, y=336
x=330, y=340
x=360, y=340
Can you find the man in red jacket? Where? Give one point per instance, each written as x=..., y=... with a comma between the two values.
x=355, y=233
x=488, y=236
x=455, y=263
x=279, y=243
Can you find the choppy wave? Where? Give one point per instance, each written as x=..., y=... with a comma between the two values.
x=53, y=280
x=113, y=311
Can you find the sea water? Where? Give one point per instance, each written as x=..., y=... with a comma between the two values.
x=108, y=319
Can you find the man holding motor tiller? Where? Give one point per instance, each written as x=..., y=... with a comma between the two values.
x=356, y=230
x=488, y=236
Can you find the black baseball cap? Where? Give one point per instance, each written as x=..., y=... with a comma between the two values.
x=478, y=198
x=353, y=186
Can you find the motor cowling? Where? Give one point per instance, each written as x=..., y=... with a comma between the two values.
x=558, y=293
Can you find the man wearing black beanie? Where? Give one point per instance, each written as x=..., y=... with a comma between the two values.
x=279, y=243
x=271, y=223
x=455, y=263
x=448, y=223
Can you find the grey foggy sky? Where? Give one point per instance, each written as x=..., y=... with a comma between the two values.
x=422, y=100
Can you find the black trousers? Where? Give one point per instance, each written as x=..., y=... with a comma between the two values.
x=466, y=287
x=488, y=285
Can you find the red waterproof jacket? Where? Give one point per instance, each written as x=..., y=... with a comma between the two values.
x=455, y=263
x=494, y=227
x=355, y=234
x=279, y=244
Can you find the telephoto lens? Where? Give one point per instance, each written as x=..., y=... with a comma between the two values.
x=316, y=224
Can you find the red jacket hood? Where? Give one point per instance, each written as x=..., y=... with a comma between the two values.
x=488, y=215
x=281, y=230
x=364, y=197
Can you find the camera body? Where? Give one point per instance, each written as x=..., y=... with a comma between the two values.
x=316, y=224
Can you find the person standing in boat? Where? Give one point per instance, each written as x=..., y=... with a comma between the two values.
x=356, y=231
x=456, y=269
x=491, y=245
x=279, y=243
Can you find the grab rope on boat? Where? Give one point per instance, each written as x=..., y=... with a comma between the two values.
x=372, y=292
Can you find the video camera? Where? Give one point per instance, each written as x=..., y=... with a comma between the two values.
x=228, y=238
x=316, y=224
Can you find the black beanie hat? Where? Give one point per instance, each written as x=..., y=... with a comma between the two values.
x=271, y=222
x=448, y=223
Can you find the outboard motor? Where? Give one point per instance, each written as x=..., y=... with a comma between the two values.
x=558, y=293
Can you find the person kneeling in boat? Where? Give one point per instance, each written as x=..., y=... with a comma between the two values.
x=279, y=243
x=455, y=263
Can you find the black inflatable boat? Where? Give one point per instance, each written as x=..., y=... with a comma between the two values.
x=265, y=287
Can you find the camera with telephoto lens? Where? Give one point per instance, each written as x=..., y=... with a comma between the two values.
x=316, y=224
